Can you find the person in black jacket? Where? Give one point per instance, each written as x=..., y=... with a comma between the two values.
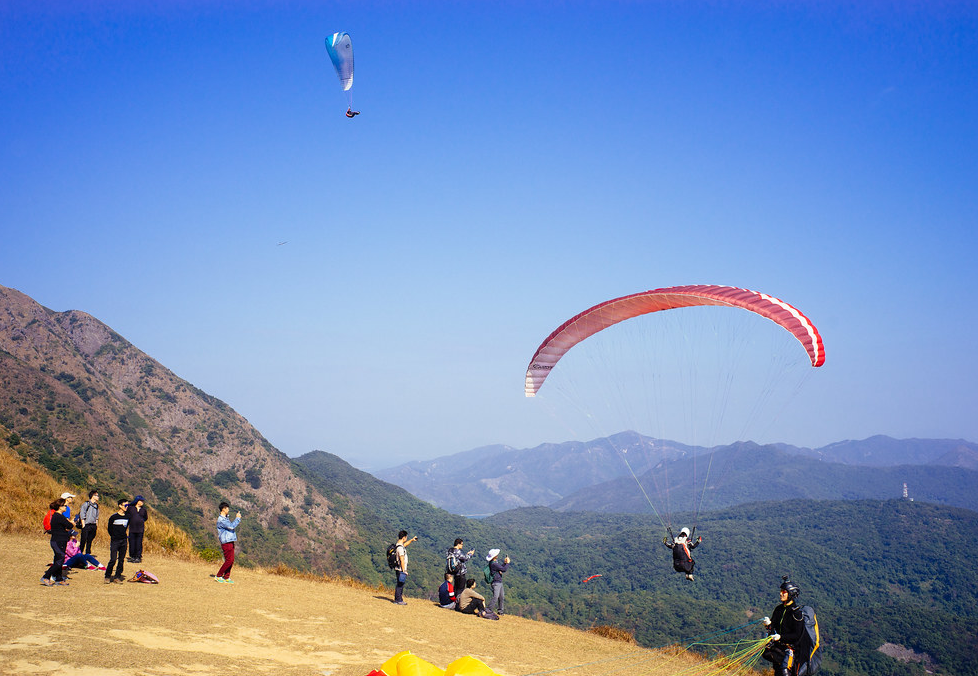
x=117, y=527
x=137, y=526
x=786, y=627
x=60, y=534
x=682, y=560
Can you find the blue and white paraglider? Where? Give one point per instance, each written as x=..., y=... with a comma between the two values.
x=340, y=50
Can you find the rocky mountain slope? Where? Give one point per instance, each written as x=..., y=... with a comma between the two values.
x=91, y=403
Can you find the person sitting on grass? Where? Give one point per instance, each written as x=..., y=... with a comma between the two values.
x=446, y=592
x=74, y=558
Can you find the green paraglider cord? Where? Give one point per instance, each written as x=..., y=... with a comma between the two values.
x=642, y=488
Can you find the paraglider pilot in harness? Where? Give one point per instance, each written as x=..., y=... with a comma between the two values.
x=682, y=560
x=786, y=628
x=352, y=113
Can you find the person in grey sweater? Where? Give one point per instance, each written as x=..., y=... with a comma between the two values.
x=89, y=523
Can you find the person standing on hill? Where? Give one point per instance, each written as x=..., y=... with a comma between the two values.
x=498, y=592
x=227, y=535
x=786, y=627
x=455, y=564
x=402, y=566
x=118, y=526
x=68, y=498
x=137, y=527
x=682, y=560
x=60, y=534
x=89, y=522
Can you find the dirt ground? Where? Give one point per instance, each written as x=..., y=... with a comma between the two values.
x=264, y=624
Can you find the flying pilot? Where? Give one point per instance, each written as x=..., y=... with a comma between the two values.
x=682, y=561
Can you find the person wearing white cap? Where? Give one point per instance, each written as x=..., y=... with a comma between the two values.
x=497, y=569
x=68, y=497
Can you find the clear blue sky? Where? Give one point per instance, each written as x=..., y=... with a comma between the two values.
x=514, y=164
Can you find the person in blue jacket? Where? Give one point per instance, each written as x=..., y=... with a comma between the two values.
x=227, y=535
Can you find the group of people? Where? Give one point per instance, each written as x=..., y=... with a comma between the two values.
x=458, y=591
x=125, y=527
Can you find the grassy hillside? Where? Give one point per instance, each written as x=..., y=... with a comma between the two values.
x=26, y=489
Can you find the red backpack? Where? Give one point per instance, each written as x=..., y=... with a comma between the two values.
x=47, y=521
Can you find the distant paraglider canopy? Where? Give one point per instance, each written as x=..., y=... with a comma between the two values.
x=340, y=50
x=590, y=577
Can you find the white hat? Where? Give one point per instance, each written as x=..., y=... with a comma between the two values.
x=493, y=553
x=67, y=495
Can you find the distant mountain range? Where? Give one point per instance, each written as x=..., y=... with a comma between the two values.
x=597, y=475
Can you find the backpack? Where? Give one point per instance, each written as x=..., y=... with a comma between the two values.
x=810, y=646
x=392, y=560
x=47, y=521
x=487, y=573
x=452, y=564
x=145, y=576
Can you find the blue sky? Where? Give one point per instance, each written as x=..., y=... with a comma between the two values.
x=514, y=164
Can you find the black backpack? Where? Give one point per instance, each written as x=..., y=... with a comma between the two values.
x=810, y=646
x=392, y=559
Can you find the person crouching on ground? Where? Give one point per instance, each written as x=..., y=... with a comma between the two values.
x=227, y=535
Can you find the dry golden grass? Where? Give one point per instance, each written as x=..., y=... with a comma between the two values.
x=26, y=491
x=614, y=633
x=274, y=620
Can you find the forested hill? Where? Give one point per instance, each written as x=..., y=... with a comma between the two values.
x=895, y=571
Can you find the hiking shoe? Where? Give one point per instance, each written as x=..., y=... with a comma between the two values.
x=61, y=583
x=219, y=579
x=109, y=580
x=228, y=580
x=91, y=567
x=119, y=578
x=47, y=582
x=400, y=603
x=100, y=568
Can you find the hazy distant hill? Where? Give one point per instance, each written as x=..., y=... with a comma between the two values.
x=747, y=473
x=593, y=476
x=495, y=478
x=93, y=406
x=883, y=451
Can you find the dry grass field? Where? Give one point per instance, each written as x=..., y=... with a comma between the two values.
x=268, y=622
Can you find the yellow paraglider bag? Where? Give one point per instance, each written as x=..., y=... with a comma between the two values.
x=468, y=666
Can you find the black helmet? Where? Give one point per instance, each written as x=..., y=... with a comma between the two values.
x=790, y=587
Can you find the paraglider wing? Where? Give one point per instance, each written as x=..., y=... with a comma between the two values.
x=606, y=314
x=340, y=50
x=590, y=577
